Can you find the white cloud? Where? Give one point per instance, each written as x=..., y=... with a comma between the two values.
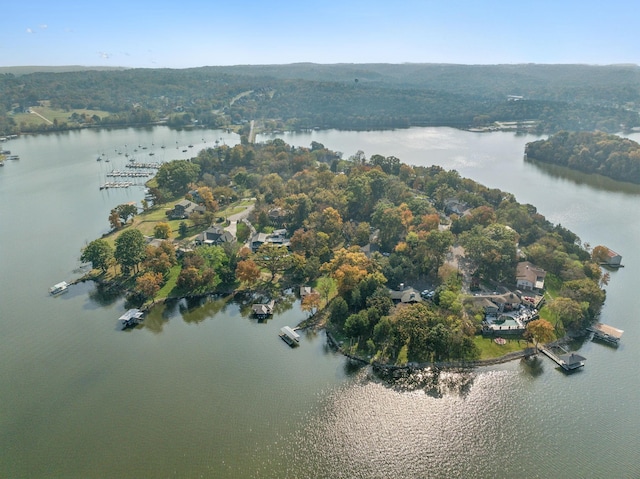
x=29, y=30
x=104, y=55
x=43, y=26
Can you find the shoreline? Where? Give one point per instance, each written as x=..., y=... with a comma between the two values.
x=317, y=322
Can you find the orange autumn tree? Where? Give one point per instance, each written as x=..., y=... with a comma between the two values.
x=351, y=266
x=247, y=271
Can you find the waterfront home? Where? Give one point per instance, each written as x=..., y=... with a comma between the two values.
x=484, y=302
x=214, y=236
x=184, y=209
x=529, y=276
x=506, y=301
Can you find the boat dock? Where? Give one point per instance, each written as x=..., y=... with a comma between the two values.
x=568, y=361
x=59, y=288
x=289, y=336
x=150, y=166
x=131, y=318
x=117, y=184
x=128, y=174
x=606, y=333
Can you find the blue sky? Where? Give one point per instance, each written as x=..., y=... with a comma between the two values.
x=191, y=33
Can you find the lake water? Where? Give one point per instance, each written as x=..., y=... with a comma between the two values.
x=206, y=391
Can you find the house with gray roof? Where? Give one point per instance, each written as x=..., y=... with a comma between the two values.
x=214, y=236
x=184, y=209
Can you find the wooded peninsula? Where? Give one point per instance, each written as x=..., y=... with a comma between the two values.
x=400, y=263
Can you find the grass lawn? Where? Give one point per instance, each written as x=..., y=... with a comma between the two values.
x=489, y=349
x=52, y=114
x=165, y=291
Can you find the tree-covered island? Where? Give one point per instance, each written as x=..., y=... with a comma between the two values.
x=590, y=152
x=401, y=264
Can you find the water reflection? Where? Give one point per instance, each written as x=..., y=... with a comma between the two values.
x=104, y=295
x=532, y=366
x=434, y=382
x=579, y=178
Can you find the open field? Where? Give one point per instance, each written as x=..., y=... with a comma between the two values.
x=53, y=114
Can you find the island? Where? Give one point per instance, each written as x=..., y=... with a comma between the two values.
x=399, y=264
x=590, y=152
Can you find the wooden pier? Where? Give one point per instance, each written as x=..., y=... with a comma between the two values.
x=567, y=361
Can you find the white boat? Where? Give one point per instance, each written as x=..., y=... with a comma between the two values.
x=59, y=288
x=290, y=336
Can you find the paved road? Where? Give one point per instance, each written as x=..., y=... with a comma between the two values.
x=233, y=220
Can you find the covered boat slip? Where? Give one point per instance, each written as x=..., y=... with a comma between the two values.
x=59, y=288
x=606, y=333
x=569, y=361
x=289, y=336
x=131, y=318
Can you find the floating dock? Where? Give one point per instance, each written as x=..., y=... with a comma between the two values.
x=567, y=361
x=606, y=333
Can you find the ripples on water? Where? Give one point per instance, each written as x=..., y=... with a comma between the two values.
x=427, y=424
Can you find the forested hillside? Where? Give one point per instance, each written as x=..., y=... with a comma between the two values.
x=368, y=96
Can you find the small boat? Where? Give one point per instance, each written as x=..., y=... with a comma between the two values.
x=59, y=288
x=290, y=336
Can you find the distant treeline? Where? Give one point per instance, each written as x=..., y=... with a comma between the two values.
x=367, y=96
x=607, y=155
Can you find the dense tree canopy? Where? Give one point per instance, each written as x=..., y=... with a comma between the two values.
x=591, y=152
x=130, y=249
